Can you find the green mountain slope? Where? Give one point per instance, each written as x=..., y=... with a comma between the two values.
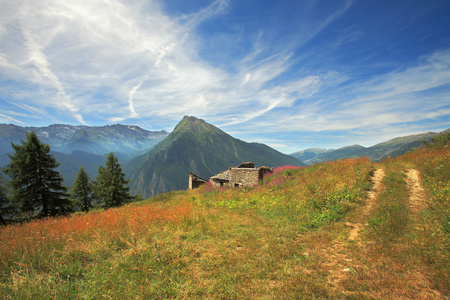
x=398, y=146
x=71, y=163
x=198, y=147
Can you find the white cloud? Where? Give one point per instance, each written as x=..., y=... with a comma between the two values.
x=385, y=100
x=6, y=119
x=431, y=71
x=130, y=100
x=124, y=61
x=141, y=62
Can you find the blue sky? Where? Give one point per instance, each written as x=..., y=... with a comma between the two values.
x=290, y=74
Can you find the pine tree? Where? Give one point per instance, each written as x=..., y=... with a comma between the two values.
x=81, y=191
x=4, y=205
x=111, y=188
x=35, y=183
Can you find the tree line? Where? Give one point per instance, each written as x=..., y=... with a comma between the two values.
x=36, y=189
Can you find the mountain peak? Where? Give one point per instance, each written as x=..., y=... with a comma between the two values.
x=195, y=125
x=198, y=147
x=193, y=120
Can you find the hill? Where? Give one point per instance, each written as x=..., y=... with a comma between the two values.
x=392, y=148
x=198, y=147
x=347, y=229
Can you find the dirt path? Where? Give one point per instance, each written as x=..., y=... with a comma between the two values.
x=417, y=198
x=376, y=189
x=377, y=179
x=345, y=258
x=418, y=202
x=339, y=263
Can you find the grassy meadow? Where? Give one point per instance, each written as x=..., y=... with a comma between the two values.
x=302, y=233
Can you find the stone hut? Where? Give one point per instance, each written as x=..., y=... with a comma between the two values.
x=221, y=179
x=195, y=181
x=243, y=175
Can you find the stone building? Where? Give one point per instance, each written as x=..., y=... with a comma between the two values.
x=195, y=181
x=243, y=175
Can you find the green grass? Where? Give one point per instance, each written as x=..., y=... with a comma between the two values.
x=391, y=216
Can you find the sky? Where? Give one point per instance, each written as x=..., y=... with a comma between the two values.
x=290, y=74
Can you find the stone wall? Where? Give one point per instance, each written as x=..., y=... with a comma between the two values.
x=218, y=183
x=243, y=176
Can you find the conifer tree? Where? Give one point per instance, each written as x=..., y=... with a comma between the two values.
x=111, y=188
x=35, y=183
x=4, y=205
x=81, y=191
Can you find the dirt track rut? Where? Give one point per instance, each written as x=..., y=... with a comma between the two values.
x=377, y=179
x=417, y=197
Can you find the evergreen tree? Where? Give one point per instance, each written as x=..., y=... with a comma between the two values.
x=4, y=203
x=35, y=183
x=111, y=188
x=81, y=191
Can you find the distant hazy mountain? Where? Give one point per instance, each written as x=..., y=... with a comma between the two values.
x=309, y=154
x=198, y=147
x=124, y=140
x=391, y=148
x=71, y=163
x=75, y=146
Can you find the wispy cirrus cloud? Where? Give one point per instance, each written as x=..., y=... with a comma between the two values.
x=127, y=62
x=101, y=61
x=7, y=119
x=384, y=105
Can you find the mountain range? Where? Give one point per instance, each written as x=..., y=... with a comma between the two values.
x=392, y=148
x=75, y=146
x=158, y=162
x=198, y=147
x=124, y=140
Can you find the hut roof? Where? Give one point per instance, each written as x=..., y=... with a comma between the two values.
x=225, y=175
x=248, y=164
x=265, y=169
x=197, y=178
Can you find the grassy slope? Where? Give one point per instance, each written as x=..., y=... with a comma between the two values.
x=287, y=238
